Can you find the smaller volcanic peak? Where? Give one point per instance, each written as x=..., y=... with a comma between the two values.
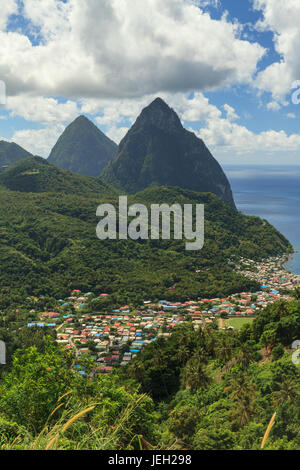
x=83, y=148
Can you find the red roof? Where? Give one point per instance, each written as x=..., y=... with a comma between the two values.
x=51, y=314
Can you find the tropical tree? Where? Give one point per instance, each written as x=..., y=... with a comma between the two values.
x=194, y=375
x=243, y=395
x=288, y=391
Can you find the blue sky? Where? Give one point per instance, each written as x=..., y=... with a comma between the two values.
x=227, y=67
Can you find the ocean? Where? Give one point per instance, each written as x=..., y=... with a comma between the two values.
x=272, y=193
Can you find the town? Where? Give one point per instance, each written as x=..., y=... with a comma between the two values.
x=116, y=337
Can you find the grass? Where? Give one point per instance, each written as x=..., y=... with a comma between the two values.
x=238, y=323
x=73, y=432
x=269, y=429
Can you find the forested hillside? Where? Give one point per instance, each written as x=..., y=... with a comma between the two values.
x=48, y=241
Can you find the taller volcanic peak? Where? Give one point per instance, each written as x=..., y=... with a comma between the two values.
x=161, y=116
x=158, y=151
x=83, y=148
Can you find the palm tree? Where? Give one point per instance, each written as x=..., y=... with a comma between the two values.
x=210, y=341
x=288, y=391
x=183, y=354
x=244, y=409
x=224, y=348
x=194, y=376
x=137, y=370
x=243, y=395
x=245, y=356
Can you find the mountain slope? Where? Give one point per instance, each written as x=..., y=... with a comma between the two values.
x=36, y=175
x=82, y=148
x=48, y=243
x=158, y=151
x=11, y=153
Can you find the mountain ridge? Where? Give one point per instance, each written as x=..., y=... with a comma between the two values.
x=10, y=153
x=36, y=175
x=159, y=151
x=82, y=148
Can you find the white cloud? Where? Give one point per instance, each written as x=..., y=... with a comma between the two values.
x=230, y=112
x=116, y=111
x=291, y=115
x=38, y=142
x=124, y=48
x=49, y=16
x=273, y=106
x=8, y=7
x=112, y=112
x=227, y=137
x=40, y=109
x=112, y=57
x=204, y=3
x=283, y=18
x=117, y=133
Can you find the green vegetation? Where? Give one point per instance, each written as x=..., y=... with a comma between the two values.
x=48, y=243
x=203, y=389
x=11, y=153
x=238, y=322
x=83, y=148
x=36, y=175
x=198, y=389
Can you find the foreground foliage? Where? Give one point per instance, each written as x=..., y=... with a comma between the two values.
x=206, y=389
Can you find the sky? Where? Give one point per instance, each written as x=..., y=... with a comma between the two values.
x=229, y=68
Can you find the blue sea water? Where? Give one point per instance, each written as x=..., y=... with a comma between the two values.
x=272, y=193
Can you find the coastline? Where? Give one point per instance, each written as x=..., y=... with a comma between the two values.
x=272, y=273
x=290, y=259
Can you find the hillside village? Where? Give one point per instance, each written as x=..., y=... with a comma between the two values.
x=115, y=337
